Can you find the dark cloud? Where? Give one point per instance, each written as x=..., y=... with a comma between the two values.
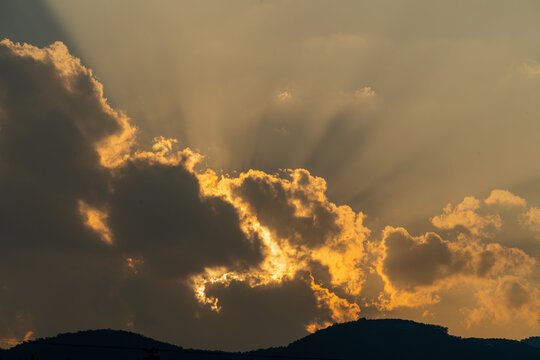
x=272, y=201
x=47, y=156
x=156, y=213
x=255, y=317
x=56, y=273
x=410, y=263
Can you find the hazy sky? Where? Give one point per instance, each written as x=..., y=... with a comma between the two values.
x=233, y=174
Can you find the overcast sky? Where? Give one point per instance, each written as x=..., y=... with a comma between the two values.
x=234, y=174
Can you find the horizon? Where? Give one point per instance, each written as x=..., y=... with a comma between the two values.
x=83, y=331
x=337, y=341
x=189, y=170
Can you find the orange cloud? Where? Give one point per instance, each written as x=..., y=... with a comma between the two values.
x=298, y=227
x=341, y=309
x=505, y=198
x=466, y=215
x=503, y=301
x=532, y=218
x=416, y=269
x=96, y=220
x=12, y=341
x=164, y=152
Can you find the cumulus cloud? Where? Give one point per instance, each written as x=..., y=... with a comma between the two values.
x=76, y=184
x=505, y=300
x=415, y=269
x=156, y=214
x=484, y=250
x=504, y=198
x=81, y=206
x=502, y=217
x=302, y=231
x=465, y=215
x=103, y=232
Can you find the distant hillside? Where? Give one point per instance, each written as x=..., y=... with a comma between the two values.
x=104, y=345
x=399, y=339
x=362, y=339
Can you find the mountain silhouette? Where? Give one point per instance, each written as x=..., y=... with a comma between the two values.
x=400, y=339
x=361, y=339
x=104, y=344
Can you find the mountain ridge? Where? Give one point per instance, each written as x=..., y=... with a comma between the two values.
x=361, y=339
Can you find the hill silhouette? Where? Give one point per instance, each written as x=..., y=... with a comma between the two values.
x=400, y=339
x=362, y=339
x=104, y=344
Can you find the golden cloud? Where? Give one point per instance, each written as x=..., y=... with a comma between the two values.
x=96, y=220
x=298, y=226
x=416, y=269
x=466, y=215
x=503, y=300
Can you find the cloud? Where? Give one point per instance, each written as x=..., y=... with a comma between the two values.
x=96, y=220
x=481, y=261
x=277, y=311
x=416, y=269
x=302, y=231
x=504, y=301
x=295, y=210
x=505, y=198
x=465, y=215
x=530, y=69
x=83, y=211
x=532, y=218
x=104, y=232
x=365, y=92
x=92, y=216
x=502, y=217
x=157, y=214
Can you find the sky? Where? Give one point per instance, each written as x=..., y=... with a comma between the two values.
x=237, y=174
